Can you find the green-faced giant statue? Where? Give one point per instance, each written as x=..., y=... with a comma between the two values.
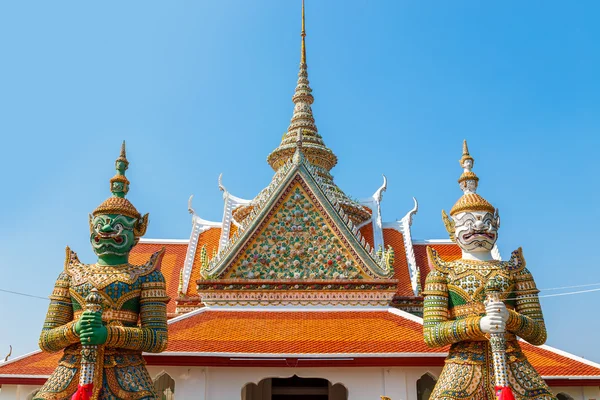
x=103, y=345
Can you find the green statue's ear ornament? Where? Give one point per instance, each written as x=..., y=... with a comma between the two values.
x=140, y=227
x=449, y=224
x=90, y=222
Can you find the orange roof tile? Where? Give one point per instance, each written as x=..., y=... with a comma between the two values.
x=367, y=232
x=37, y=363
x=171, y=264
x=360, y=334
x=395, y=239
x=448, y=252
x=296, y=332
x=210, y=238
x=549, y=362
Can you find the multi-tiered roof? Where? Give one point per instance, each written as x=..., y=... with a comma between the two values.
x=301, y=275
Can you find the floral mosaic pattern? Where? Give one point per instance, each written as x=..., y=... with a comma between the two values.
x=297, y=243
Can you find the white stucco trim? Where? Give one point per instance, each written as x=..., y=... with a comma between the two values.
x=572, y=377
x=405, y=315
x=24, y=376
x=187, y=315
x=433, y=241
x=272, y=308
x=403, y=226
x=374, y=203
x=572, y=357
x=164, y=241
x=299, y=356
x=3, y=363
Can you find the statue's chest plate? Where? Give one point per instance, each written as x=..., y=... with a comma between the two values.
x=101, y=276
x=466, y=281
x=120, y=286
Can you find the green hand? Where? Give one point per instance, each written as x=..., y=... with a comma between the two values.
x=90, y=329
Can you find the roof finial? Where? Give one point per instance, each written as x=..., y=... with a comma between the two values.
x=303, y=34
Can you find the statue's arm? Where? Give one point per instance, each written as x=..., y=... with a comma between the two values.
x=151, y=335
x=59, y=330
x=527, y=320
x=438, y=331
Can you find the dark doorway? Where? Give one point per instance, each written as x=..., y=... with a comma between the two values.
x=425, y=386
x=294, y=388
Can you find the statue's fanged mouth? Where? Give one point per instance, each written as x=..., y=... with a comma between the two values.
x=117, y=239
x=468, y=236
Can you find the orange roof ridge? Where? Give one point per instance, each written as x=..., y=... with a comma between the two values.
x=31, y=353
x=165, y=241
x=570, y=355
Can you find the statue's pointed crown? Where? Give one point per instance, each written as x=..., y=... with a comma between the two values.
x=119, y=186
x=468, y=181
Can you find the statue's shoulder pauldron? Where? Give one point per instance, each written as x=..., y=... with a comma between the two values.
x=436, y=262
x=72, y=262
x=153, y=264
x=516, y=263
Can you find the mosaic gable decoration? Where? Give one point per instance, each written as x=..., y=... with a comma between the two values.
x=297, y=235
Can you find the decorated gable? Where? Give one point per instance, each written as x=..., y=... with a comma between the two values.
x=296, y=240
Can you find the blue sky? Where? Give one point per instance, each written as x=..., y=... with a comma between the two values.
x=203, y=87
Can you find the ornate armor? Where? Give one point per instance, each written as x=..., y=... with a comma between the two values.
x=127, y=316
x=457, y=313
x=454, y=295
x=130, y=293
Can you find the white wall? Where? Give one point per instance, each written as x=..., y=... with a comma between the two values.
x=212, y=383
x=17, y=392
x=197, y=383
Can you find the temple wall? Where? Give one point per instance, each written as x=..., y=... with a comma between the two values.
x=17, y=392
x=210, y=383
x=362, y=383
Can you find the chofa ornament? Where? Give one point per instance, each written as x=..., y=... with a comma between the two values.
x=104, y=315
x=485, y=359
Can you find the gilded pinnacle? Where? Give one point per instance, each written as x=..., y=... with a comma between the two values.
x=303, y=34
x=465, y=154
x=468, y=181
x=119, y=186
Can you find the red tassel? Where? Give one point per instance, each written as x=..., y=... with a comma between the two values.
x=83, y=392
x=504, y=393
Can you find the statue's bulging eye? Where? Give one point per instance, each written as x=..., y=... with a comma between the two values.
x=119, y=227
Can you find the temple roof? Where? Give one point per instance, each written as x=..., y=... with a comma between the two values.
x=382, y=337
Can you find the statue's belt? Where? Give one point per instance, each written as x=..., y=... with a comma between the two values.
x=111, y=358
x=463, y=310
x=124, y=316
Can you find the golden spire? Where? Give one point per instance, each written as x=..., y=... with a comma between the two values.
x=119, y=186
x=468, y=181
x=466, y=155
x=302, y=138
x=303, y=34
x=314, y=148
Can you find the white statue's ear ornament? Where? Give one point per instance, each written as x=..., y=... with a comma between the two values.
x=497, y=218
x=449, y=224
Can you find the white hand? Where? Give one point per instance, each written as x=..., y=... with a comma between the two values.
x=497, y=308
x=495, y=320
